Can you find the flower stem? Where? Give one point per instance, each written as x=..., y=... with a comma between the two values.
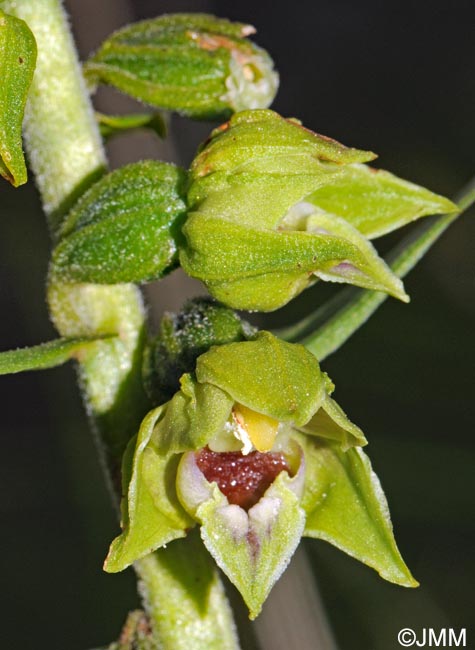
x=66, y=156
x=196, y=614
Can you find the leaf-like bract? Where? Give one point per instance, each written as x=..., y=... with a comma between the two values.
x=45, y=355
x=17, y=64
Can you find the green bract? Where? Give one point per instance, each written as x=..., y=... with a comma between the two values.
x=17, y=64
x=274, y=206
x=47, y=355
x=124, y=228
x=252, y=400
x=196, y=64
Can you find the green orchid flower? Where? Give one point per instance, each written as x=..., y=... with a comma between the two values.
x=255, y=451
x=273, y=207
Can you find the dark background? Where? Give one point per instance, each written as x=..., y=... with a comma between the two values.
x=395, y=78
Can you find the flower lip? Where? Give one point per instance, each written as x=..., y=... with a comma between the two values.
x=242, y=479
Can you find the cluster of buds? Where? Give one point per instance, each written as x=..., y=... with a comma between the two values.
x=267, y=209
x=254, y=450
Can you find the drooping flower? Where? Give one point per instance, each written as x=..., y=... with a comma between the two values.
x=254, y=450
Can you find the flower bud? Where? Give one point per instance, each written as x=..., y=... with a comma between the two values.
x=182, y=338
x=195, y=64
x=124, y=228
x=264, y=224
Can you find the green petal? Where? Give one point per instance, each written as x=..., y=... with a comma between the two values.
x=252, y=548
x=346, y=506
x=331, y=422
x=375, y=201
x=152, y=515
x=267, y=375
x=195, y=414
x=124, y=228
x=196, y=64
x=17, y=64
x=46, y=355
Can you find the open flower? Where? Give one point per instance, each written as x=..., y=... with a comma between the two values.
x=254, y=450
x=274, y=207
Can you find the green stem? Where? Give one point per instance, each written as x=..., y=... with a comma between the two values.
x=197, y=615
x=324, y=331
x=66, y=156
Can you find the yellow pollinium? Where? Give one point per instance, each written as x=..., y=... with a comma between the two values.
x=261, y=429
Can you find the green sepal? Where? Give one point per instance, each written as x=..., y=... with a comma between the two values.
x=255, y=269
x=193, y=416
x=327, y=329
x=375, y=201
x=256, y=167
x=151, y=513
x=267, y=375
x=17, y=64
x=264, y=141
x=370, y=272
x=123, y=229
x=47, y=355
x=182, y=337
x=330, y=422
x=110, y=125
x=196, y=64
x=252, y=548
x=345, y=505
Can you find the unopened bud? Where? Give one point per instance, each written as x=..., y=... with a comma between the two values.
x=196, y=64
x=250, y=236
